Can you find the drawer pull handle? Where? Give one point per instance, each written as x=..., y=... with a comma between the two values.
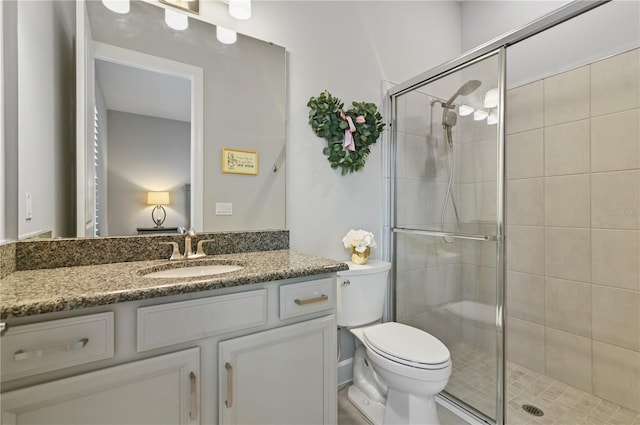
x=319, y=299
x=193, y=397
x=229, y=401
x=74, y=346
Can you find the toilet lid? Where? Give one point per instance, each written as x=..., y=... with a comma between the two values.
x=407, y=344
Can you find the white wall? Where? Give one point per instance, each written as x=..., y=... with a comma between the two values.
x=485, y=20
x=346, y=48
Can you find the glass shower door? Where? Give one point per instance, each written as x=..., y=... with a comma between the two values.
x=447, y=223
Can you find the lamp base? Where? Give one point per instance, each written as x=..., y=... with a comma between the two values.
x=158, y=215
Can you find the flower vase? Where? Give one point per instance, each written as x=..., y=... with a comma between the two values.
x=360, y=257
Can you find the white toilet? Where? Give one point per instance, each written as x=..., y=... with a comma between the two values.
x=397, y=369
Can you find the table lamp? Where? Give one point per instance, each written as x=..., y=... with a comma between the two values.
x=158, y=214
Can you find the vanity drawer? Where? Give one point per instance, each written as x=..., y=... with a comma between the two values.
x=173, y=323
x=298, y=299
x=56, y=344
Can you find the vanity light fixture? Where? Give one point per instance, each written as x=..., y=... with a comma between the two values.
x=158, y=214
x=492, y=119
x=117, y=6
x=479, y=115
x=465, y=110
x=240, y=9
x=226, y=36
x=176, y=20
x=491, y=98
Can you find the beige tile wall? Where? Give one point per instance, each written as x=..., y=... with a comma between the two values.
x=573, y=223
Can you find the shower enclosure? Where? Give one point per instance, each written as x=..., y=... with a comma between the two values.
x=515, y=219
x=448, y=222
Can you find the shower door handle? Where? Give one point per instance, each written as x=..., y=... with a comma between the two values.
x=435, y=233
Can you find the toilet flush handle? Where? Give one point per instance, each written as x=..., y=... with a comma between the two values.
x=345, y=282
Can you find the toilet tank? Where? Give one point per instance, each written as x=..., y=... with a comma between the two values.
x=361, y=293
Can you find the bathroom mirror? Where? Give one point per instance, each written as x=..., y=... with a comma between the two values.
x=243, y=108
x=243, y=98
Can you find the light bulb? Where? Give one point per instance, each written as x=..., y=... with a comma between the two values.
x=240, y=9
x=492, y=119
x=491, y=98
x=479, y=115
x=176, y=20
x=465, y=110
x=118, y=6
x=225, y=35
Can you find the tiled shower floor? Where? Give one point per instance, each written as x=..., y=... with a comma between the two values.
x=473, y=379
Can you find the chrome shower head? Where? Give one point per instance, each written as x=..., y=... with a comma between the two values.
x=465, y=90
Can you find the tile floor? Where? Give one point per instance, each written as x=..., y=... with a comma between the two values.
x=473, y=379
x=348, y=414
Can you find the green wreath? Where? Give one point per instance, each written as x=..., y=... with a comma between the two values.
x=349, y=133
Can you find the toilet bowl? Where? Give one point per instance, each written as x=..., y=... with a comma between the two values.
x=397, y=369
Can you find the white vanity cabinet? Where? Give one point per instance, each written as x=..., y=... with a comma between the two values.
x=281, y=376
x=164, y=360
x=126, y=394
x=285, y=375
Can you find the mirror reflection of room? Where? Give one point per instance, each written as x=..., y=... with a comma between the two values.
x=75, y=200
x=142, y=144
x=248, y=74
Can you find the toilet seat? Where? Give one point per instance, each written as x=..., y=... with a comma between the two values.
x=407, y=345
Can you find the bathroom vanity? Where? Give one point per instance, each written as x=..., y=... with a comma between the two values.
x=257, y=345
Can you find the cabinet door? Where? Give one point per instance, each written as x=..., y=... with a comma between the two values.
x=159, y=390
x=280, y=376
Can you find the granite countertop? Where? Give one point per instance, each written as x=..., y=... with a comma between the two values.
x=30, y=292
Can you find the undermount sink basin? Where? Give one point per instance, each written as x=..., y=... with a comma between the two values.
x=189, y=269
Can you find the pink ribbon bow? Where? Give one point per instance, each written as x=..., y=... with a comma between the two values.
x=348, y=142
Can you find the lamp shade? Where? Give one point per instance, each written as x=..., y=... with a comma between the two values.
x=158, y=198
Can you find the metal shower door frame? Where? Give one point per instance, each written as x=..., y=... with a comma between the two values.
x=496, y=46
x=497, y=237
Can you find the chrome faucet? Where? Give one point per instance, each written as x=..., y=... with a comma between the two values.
x=188, y=248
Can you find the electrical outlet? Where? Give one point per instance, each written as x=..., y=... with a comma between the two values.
x=224, y=208
x=28, y=210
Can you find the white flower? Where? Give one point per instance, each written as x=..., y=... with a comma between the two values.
x=359, y=240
